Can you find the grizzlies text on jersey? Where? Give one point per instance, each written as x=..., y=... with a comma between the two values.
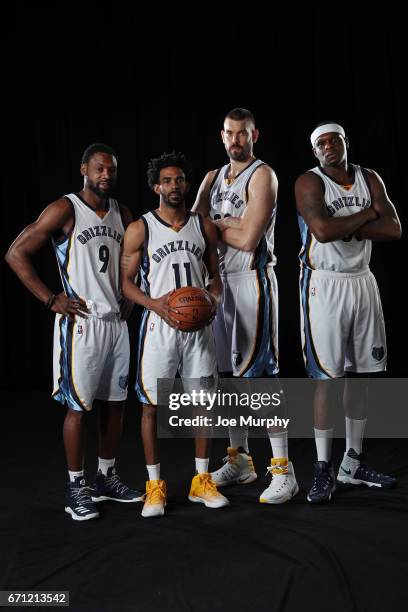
x=88, y=258
x=348, y=254
x=172, y=259
x=91, y=354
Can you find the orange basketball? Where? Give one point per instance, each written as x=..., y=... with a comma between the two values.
x=194, y=306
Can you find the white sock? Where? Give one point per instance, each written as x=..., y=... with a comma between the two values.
x=201, y=465
x=323, y=439
x=105, y=464
x=354, y=434
x=154, y=471
x=279, y=444
x=239, y=437
x=73, y=475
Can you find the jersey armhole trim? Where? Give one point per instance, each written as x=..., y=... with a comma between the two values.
x=120, y=210
x=250, y=176
x=366, y=179
x=320, y=179
x=146, y=240
x=61, y=237
x=201, y=223
x=145, y=265
x=214, y=179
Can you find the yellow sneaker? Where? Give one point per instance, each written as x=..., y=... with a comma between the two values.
x=155, y=499
x=203, y=490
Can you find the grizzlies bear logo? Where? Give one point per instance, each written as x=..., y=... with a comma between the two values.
x=378, y=352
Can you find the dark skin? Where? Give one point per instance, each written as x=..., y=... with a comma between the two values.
x=172, y=188
x=379, y=222
x=55, y=221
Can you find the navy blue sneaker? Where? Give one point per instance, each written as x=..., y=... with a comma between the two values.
x=324, y=483
x=78, y=502
x=110, y=487
x=353, y=470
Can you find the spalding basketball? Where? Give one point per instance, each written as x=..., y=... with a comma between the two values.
x=194, y=308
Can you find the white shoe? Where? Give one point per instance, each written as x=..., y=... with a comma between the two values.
x=283, y=484
x=238, y=468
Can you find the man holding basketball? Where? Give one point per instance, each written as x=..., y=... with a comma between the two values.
x=240, y=198
x=172, y=248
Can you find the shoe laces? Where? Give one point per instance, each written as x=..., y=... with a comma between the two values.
x=279, y=478
x=231, y=457
x=230, y=467
x=365, y=470
x=82, y=495
x=114, y=483
x=368, y=473
x=208, y=484
x=157, y=494
x=322, y=480
x=232, y=460
x=277, y=468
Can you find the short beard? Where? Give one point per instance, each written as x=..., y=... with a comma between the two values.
x=168, y=202
x=104, y=195
x=242, y=155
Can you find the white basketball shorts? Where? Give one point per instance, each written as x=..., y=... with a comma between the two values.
x=91, y=360
x=164, y=350
x=342, y=323
x=246, y=325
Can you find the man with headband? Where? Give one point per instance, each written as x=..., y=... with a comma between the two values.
x=341, y=207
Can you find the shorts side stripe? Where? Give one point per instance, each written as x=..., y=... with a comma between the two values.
x=71, y=368
x=66, y=392
x=140, y=388
x=273, y=324
x=259, y=326
x=313, y=366
x=61, y=360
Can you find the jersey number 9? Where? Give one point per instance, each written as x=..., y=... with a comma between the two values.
x=104, y=257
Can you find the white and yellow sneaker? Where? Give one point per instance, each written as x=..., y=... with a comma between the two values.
x=283, y=485
x=203, y=490
x=238, y=468
x=155, y=500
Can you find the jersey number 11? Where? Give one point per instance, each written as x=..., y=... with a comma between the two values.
x=177, y=277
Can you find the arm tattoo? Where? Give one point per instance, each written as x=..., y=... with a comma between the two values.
x=124, y=262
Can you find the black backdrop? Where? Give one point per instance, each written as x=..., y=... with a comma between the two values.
x=165, y=80
x=148, y=80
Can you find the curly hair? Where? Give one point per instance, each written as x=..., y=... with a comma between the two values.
x=174, y=159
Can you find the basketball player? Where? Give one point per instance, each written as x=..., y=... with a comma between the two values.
x=240, y=198
x=91, y=343
x=172, y=248
x=342, y=208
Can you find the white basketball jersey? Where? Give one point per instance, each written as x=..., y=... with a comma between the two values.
x=228, y=199
x=348, y=254
x=172, y=259
x=88, y=257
